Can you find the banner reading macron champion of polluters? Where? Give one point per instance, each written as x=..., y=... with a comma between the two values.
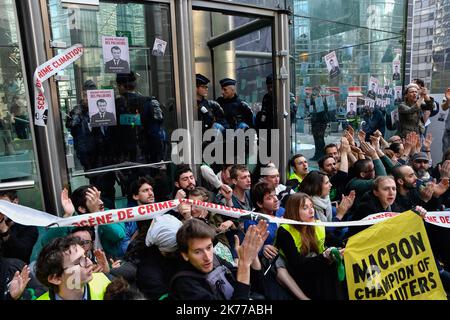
x=392, y=260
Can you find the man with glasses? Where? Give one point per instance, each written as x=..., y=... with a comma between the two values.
x=210, y=113
x=65, y=269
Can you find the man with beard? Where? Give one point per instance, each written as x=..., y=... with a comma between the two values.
x=408, y=196
x=421, y=165
x=184, y=181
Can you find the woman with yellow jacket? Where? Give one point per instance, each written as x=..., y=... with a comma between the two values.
x=308, y=260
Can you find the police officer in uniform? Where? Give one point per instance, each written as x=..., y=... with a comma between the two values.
x=149, y=135
x=209, y=111
x=264, y=118
x=237, y=112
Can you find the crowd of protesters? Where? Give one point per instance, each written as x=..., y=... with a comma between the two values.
x=190, y=253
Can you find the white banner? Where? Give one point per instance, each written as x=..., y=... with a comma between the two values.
x=45, y=71
x=31, y=217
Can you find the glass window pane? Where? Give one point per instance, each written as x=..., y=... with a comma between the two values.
x=132, y=124
x=17, y=157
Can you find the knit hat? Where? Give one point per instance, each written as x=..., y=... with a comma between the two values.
x=162, y=233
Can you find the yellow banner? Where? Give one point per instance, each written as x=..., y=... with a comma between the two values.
x=392, y=260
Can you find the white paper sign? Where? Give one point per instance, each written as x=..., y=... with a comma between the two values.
x=102, y=109
x=159, y=47
x=116, y=54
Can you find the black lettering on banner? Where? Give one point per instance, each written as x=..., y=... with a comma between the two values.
x=432, y=281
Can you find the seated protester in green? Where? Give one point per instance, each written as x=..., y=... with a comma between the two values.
x=85, y=199
x=204, y=276
x=303, y=247
x=64, y=268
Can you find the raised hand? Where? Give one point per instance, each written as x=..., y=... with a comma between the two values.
x=345, y=205
x=19, y=282
x=440, y=188
x=351, y=130
x=427, y=141
x=67, y=204
x=93, y=201
x=368, y=149
x=427, y=192
x=101, y=260
x=185, y=209
x=444, y=169
x=252, y=243
x=345, y=145
x=270, y=251
x=447, y=94
x=361, y=136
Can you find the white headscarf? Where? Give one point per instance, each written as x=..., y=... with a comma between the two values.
x=162, y=233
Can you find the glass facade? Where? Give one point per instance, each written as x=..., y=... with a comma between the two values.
x=18, y=167
x=141, y=107
x=440, y=78
x=365, y=37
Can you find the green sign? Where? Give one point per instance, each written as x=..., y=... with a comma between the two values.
x=125, y=34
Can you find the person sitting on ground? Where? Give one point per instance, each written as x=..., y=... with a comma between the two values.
x=120, y=289
x=63, y=267
x=267, y=202
x=299, y=166
x=159, y=259
x=304, y=248
x=202, y=270
x=270, y=174
x=16, y=240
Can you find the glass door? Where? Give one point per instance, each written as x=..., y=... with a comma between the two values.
x=117, y=101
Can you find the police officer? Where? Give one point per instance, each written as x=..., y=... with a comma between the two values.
x=209, y=111
x=237, y=112
x=264, y=118
x=150, y=132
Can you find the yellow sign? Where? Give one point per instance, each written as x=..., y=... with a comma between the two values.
x=392, y=260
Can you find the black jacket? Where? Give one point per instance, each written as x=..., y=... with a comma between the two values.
x=197, y=288
x=314, y=274
x=154, y=272
x=368, y=205
x=20, y=242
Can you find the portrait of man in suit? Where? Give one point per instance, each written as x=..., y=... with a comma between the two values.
x=117, y=64
x=334, y=69
x=396, y=75
x=103, y=117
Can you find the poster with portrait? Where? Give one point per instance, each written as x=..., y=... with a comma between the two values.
x=159, y=47
x=351, y=107
x=116, y=54
x=332, y=64
x=397, y=94
x=372, y=88
x=102, y=109
x=396, y=70
x=394, y=117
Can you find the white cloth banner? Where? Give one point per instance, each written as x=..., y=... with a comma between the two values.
x=31, y=217
x=45, y=71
